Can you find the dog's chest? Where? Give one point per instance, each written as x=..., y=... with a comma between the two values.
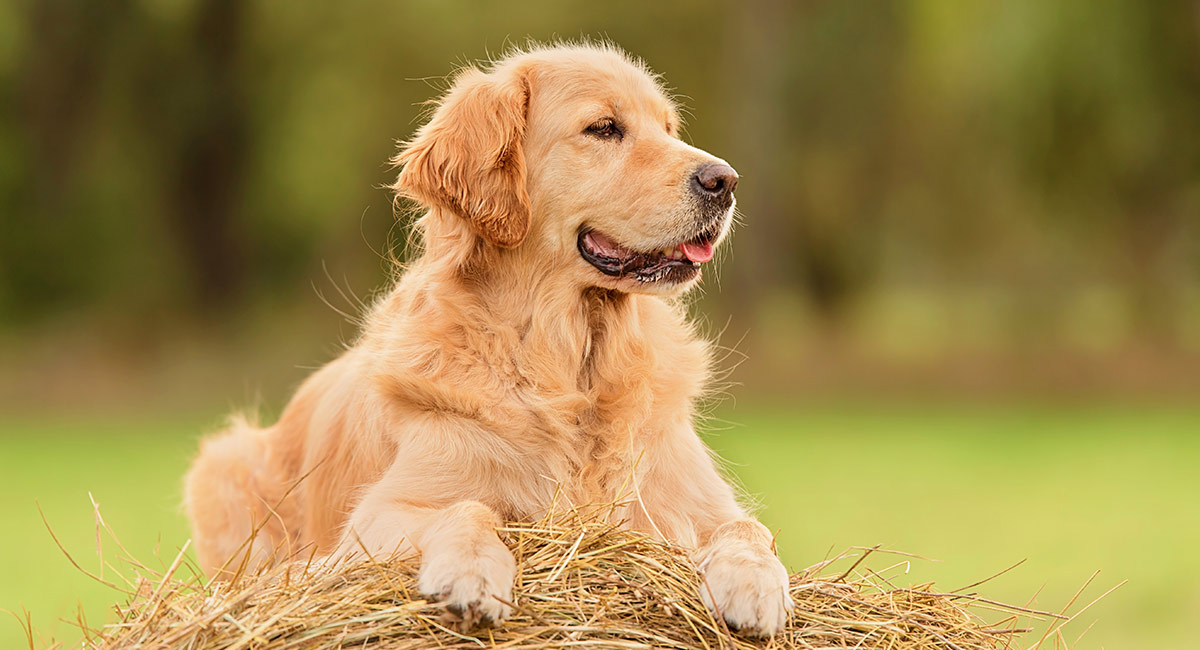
x=593, y=449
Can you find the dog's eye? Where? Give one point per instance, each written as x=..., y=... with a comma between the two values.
x=605, y=129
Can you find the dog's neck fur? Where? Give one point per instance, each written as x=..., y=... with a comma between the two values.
x=558, y=326
x=562, y=354
x=565, y=332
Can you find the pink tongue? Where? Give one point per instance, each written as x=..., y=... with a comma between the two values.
x=697, y=252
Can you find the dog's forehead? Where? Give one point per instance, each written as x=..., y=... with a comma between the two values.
x=601, y=78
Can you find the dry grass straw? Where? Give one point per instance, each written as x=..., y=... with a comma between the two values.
x=582, y=581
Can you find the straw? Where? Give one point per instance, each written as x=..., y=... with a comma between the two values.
x=583, y=581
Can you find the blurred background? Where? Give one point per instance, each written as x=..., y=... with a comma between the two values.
x=962, y=315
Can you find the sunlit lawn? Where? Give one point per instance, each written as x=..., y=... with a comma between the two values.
x=1072, y=489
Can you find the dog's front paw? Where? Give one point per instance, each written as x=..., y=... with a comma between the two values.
x=748, y=586
x=475, y=586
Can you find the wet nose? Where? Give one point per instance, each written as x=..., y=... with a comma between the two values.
x=715, y=180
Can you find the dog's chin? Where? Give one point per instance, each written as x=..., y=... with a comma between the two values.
x=666, y=287
x=662, y=270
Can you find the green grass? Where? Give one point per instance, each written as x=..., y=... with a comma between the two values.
x=1071, y=489
x=134, y=471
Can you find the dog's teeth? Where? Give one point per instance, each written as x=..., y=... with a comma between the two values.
x=667, y=251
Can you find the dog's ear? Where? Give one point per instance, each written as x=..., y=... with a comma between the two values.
x=469, y=158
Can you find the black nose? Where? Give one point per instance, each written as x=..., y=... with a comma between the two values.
x=715, y=180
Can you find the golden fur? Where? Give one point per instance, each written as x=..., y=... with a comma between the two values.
x=503, y=369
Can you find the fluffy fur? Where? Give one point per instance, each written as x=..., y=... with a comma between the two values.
x=503, y=372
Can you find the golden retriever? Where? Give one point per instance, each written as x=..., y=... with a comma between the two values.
x=534, y=349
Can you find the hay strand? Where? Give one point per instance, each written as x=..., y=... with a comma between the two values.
x=582, y=581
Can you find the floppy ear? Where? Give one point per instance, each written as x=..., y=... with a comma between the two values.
x=469, y=158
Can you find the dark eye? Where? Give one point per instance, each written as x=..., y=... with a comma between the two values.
x=605, y=129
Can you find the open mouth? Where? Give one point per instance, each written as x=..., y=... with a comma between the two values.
x=674, y=263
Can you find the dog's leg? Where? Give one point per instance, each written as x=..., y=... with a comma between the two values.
x=463, y=562
x=743, y=579
x=684, y=498
x=230, y=493
x=466, y=565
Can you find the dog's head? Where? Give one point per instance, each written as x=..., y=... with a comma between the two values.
x=572, y=155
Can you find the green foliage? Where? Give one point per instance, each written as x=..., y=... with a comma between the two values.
x=196, y=156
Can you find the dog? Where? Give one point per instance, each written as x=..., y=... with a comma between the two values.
x=535, y=350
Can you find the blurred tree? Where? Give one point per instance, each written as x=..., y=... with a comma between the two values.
x=812, y=84
x=210, y=159
x=1111, y=139
x=58, y=78
x=157, y=155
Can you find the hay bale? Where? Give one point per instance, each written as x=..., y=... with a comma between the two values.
x=582, y=581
